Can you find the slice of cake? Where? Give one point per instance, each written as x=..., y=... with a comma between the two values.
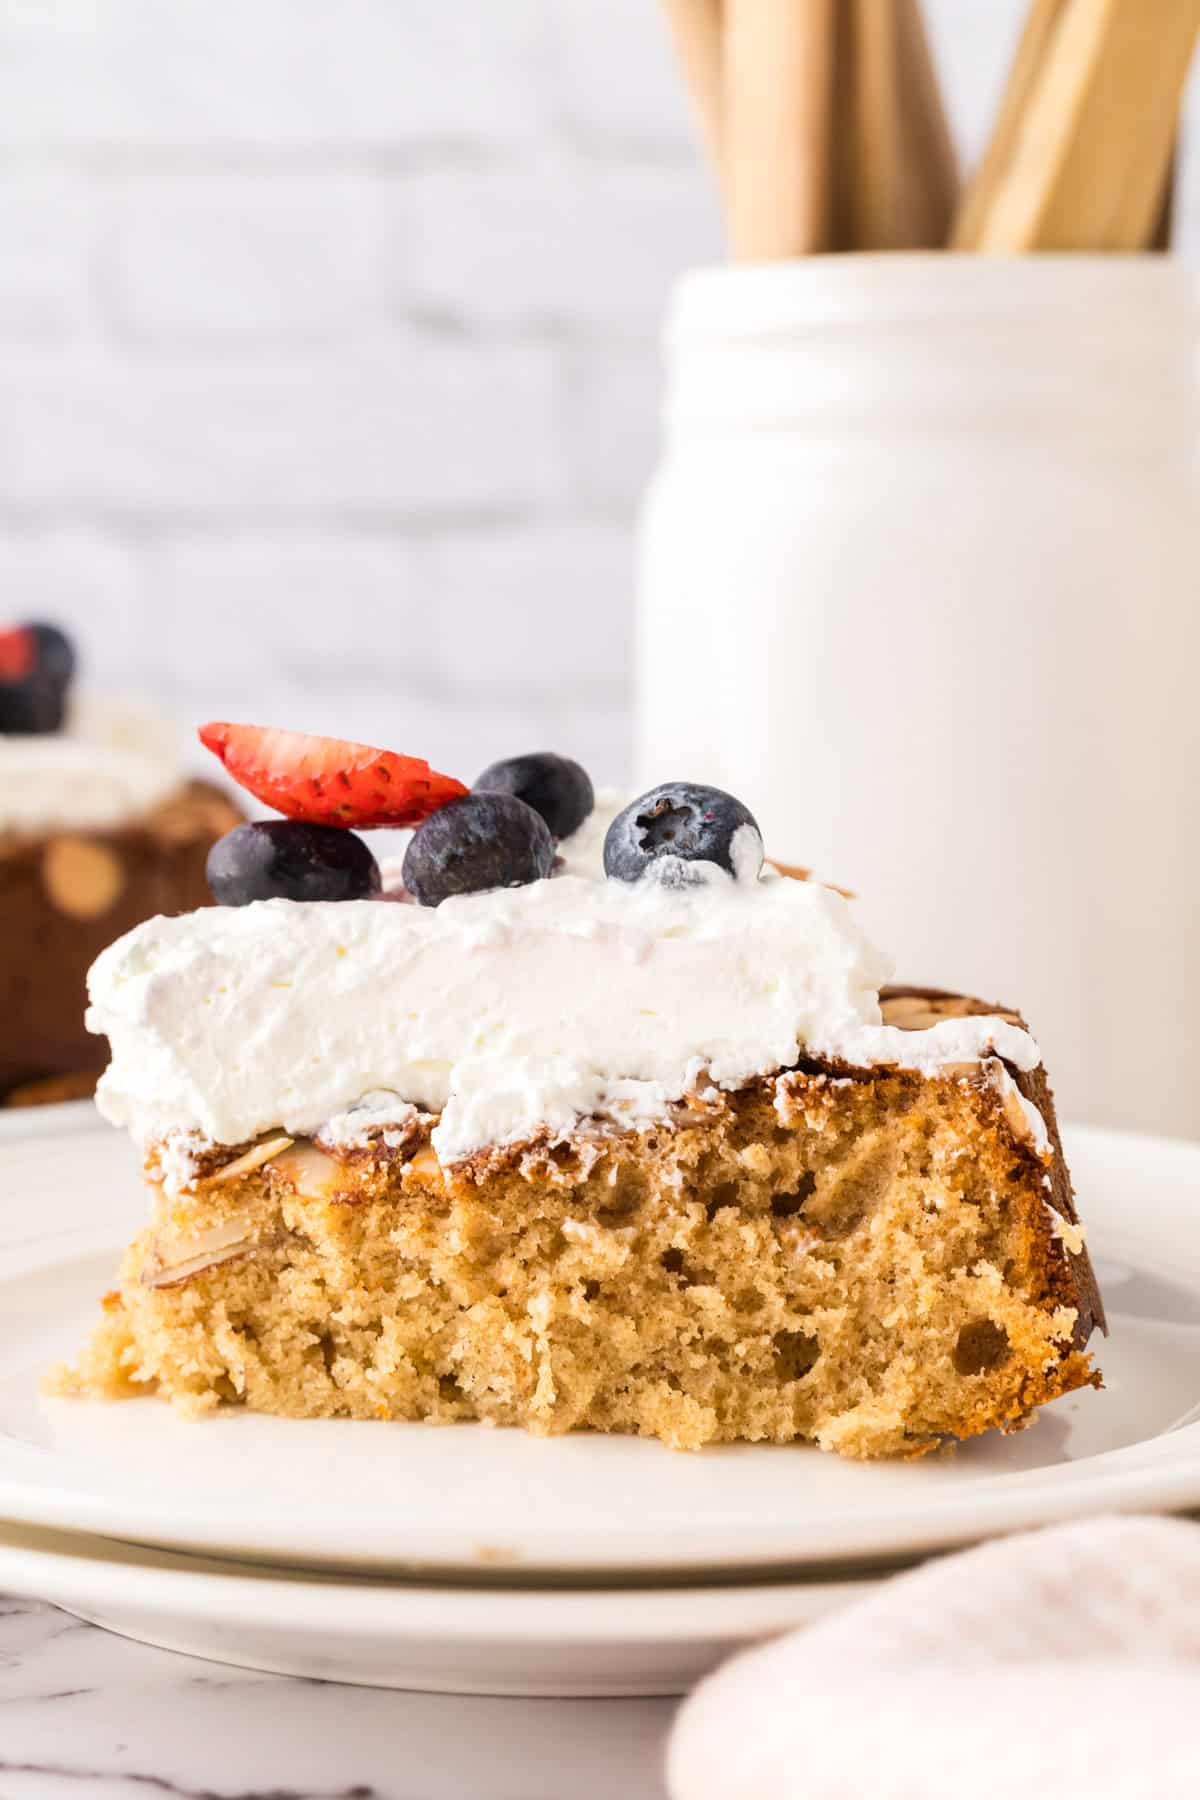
x=98, y=831
x=597, y=1122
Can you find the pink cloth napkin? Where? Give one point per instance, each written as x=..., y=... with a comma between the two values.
x=1062, y=1664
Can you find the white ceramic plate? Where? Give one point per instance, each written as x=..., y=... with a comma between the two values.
x=442, y=1639
x=49, y=1121
x=395, y=1496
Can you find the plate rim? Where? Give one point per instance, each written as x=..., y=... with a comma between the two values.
x=418, y=1637
x=52, y=1566
x=18, y=1124
x=1160, y=1473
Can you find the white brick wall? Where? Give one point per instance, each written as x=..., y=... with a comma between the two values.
x=327, y=347
x=47, y=232
x=227, y=77
x=577, y=244
x=288, y=257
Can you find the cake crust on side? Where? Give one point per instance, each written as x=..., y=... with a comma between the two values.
x=871, y=1260
x=917, y=1006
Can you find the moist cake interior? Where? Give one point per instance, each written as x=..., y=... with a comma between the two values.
x=872, y=1261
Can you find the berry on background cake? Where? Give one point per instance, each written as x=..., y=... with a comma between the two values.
x=591, y=1119
x=98, y=831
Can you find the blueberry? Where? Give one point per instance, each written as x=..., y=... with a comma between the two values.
x=32, y=706
x=554, y=786
x=55, y=651
x=678, y=823
x=36, y=702
x=479, y=841
x=285, y=859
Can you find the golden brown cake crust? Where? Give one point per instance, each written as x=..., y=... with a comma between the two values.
x=912, y=1006
x=874, y=1261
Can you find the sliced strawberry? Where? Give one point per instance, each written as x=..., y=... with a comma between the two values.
x=329, y=781
x=18, y=653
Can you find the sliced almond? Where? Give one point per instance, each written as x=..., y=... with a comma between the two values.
x=312, y=1174
x=426, y=1165
x=178, y=1273
x=1014, y=1112
x=179, y=1259
x=192, y=812
x=251, y=1159
x=82, y=878
x=1025, y=1122
x=920, y=1012
x=795, y=872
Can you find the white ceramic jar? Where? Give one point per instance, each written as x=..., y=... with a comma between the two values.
x=919, y=579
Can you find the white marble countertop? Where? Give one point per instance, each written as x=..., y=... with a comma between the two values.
x=84, y=1713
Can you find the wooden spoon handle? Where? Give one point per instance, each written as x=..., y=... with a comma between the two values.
x=695, y=27
x=778, y=75
x=1041, y=23
x=1082, y=155
x=897, y=175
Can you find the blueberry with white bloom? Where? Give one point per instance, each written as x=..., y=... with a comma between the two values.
x=680, y=823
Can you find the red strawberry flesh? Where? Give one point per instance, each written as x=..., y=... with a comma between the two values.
x=329, y=781
x=18, y=653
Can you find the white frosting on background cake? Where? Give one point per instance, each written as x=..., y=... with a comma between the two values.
x=112, y=763
x=508, y=1012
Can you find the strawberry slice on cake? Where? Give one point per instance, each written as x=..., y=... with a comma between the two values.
x=329, y=781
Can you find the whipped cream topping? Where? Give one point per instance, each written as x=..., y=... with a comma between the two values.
x=112, y=763
x=509, y=1013
x=381, y=1112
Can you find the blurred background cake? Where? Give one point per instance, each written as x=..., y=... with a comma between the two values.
x=99, y=829
x=330, y=350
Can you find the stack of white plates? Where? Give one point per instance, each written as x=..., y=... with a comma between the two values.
x=481, y=1561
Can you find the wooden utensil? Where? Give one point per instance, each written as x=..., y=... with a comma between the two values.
x=1041, y=23
x=896, y=174
x=1083, y=146
x=695, y=27
x=1160, y=237
x=777, y=85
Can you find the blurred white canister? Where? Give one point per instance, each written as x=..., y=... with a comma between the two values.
x=919, y=579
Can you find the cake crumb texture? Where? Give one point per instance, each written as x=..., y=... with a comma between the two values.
x=865, y=1262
